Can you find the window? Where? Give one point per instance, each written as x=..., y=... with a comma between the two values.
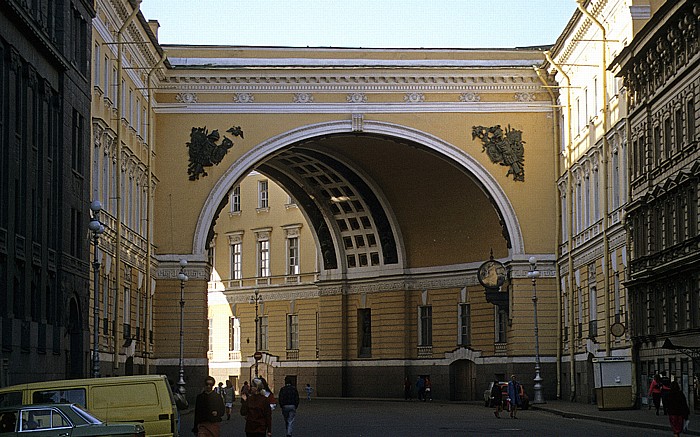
x=616, y=278
x=657, y=144
x=679, y=129
x=615, y=180
x=464, y=324
x=592, y=311
x=263, y=333
x=292, y=331
x=565, y=309
x=235, y=199
x=236, y=261
x=364, y=332
x=587, y=200
x=78, y=142
x=501, y=325
x=425, y=326
x=262, y=195
x=293, y=256
x=263, y=258
x=211, y=335
x=127, y=312
x=98, y=62
x=668, y=145
x=105, y=64
x=690, y=120
x=211, y=253
x=232, y=336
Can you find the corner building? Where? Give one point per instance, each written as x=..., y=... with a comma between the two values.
x=401, y=202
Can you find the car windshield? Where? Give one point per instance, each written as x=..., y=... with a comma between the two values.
x=89, y=418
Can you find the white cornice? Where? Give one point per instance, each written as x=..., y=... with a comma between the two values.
x=347, y=108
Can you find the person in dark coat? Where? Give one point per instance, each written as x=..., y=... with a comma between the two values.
x=496, y=398
x=256, y=409
x=208, y=411
x=677, y=408
x=514, y=396
x=289, y=401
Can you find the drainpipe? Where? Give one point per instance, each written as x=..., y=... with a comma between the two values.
x=149, y=244
x=569, y=222
x=557, y=201
x=604, y=174
x=118, y=243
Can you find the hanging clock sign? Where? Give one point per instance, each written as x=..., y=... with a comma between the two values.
x=491, y=274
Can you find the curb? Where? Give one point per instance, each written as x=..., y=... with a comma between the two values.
x=612, y=420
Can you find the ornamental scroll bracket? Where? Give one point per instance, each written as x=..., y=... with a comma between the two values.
x=205, y=150
x=503, y=147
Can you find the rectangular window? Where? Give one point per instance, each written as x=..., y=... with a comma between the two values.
x=690, y=121
x=211, y=335
x=114, y=85
x=364, y=332
x=263, y=333
x=668, y=144
x=464, y=324
x=236, y=261
x=565, y=309
x=587, y=201
x=293, y=256
x=657, y=144
x=263, y=258
x=615, y=180
x=236, y=199
x=292, y=332
x=579, y=296
x=105, y=64
x=679, y=129
x=426, y=326
x=262, y=195
x=501, y=325
x=617, y=303
x=232, y=334
x=98, y=62
x=78, y=142
x=127, y=312
x=211, y=253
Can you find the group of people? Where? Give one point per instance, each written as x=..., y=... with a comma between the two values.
x=257, y=403
x=668, y=394
x=423, y=386
x=512, y=402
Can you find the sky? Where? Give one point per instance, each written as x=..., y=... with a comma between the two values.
x=361, y=23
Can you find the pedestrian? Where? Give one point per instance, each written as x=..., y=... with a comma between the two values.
x=677, y=407
x=229, y=397
x=256, y=409
x=407, y=388
x=289, y=402
x=420, y=387
x=665, y=390
x=496, y=398
x=245, y=390
x=655, y=392
x=309, y=390
x=269, y=394
x=208, y=411
x=514, y=396
x=428, y=389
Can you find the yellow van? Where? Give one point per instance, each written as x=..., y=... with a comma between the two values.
x=146, y=399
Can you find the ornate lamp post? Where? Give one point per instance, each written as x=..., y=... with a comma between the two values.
x=97, y=229
x=257, y=299
x=533, y=274
x=183, y=278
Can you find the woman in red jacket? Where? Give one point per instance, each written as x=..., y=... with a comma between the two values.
x=256, y=409
x=655, y=392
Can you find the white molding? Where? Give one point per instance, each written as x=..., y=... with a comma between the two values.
x=212, y=63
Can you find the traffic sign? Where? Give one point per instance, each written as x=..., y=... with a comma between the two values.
x=257, y=356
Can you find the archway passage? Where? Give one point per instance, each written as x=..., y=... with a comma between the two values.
x=376, y=201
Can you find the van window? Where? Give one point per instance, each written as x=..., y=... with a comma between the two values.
x=10, y=398
x=129, y=395
x=69, y=395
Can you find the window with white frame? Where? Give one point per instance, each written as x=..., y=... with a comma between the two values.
x=235, y=199
x=615, y=179
x=127, y=312
x=293, y=255
x=211, y=335
x=565, y=310
x=464, y=324
x=587, y=200
x=105, y=65
x=263, y=194
x=425, y=315
x=232, y=335
x=292, y=331
x=97, y=76
x=596, y=194
x=264, y=258
x=236, y=252
x=263, y=333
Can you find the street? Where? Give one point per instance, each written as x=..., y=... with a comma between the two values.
x=360, y=418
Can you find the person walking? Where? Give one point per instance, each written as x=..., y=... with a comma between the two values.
x=428, y=389
x=245, y=390
x=309, y=390
x=420, y=387
x=289, y=402
x=514, y=396
x=256, y=409
x=229, y=396
x=407, y=389
x=655, y=392
x=496, y=398
x=208, y=410
x=676, y=406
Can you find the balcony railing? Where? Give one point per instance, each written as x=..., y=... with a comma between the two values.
x=234, y=355
x=267, y=281
x=425, y=351
x=293, y=354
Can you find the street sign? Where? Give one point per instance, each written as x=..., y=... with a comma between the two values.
x=257, y=356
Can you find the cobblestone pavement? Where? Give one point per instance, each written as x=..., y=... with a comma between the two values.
x=391, y=418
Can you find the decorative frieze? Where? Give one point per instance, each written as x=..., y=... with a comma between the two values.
x=303, y=98
x=186, y=98
x=469, y=97
x=356, y=98
x=414, y=98
x=243, y=98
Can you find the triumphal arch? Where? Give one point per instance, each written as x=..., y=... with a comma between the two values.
x=411, y=167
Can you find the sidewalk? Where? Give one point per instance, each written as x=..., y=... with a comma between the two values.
x=643, y=418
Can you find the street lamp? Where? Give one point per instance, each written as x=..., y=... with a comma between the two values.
x=533, y=274
x=257, y=299
x=183, y=278
x=97, y=229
